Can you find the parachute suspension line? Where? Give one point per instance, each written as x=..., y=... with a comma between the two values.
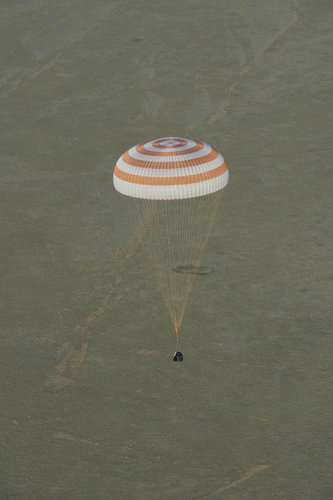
x=200, y=216
x=163, y=257
x=176, y=233
x=158, y=245
x=177, y=340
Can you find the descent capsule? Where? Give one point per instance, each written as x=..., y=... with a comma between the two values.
x=178, y=356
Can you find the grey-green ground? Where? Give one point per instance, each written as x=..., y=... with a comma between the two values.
x=92, y=405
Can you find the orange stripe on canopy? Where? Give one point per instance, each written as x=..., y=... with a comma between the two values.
x=141, y=149
x=171, y=181
x=171, y=164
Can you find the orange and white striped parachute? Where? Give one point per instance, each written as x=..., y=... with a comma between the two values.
x=170, y=168
x=174, y=187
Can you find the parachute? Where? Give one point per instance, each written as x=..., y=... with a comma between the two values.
x=175, y=186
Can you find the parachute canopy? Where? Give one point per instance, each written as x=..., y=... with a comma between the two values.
x=170, y=168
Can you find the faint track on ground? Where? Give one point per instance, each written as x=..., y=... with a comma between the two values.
x=72, y=358
x=251, y=472
x=230, y=90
